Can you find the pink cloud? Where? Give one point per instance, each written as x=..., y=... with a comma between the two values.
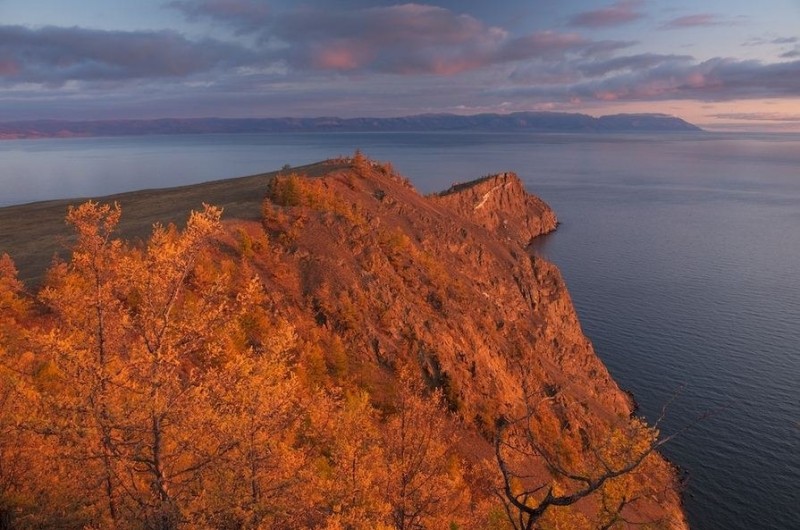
x=621, y=12
x=606, y=96
x=693, y=21
x=758, y=116
x=404, y=39
x=415, y=39
x=9, y=68
x=339, y=56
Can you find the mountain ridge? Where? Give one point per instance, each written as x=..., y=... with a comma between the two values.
x=485, y=122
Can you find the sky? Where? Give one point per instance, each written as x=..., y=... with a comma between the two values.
x=721, y=64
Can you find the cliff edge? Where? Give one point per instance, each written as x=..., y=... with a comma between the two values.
x=446, y=284
x=500, y=204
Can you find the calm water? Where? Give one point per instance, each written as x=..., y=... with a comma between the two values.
x=682, y=254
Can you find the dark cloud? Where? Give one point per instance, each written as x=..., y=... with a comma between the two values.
x=405, y=39
x=791, y=54
x=713, y=80
x=244, y=15
x=582, y=69
x=638, y=62
x=54, y=55
x=621, y=12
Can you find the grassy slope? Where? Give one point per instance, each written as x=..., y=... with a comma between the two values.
x=32, y=233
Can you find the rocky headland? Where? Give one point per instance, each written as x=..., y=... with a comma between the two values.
x=378, y=279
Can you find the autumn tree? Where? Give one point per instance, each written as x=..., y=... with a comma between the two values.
x=351, y=472
x=424, y=484
x=361, y=164
x=15, y=467
x=264, y=410
x=183, y=308
x=80, y=345
x=141, y=343
x=599, y=465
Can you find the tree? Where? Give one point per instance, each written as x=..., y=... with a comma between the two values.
x=257, y=483
x=81, y=347
x=182, y=308
x=352, y=474
x=424, y=486
x=15, y=467
x=604, y=469
x=361, y=164
x=139, y=341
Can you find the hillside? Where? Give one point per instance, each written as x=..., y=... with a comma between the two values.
x=34, y=233
x=370, y=291
x=514, y=122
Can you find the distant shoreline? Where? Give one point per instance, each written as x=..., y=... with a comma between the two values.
x=533, y=122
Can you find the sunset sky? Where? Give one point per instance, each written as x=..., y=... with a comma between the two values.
x=722, y=64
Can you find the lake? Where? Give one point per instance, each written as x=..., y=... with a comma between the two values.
x=681, y=253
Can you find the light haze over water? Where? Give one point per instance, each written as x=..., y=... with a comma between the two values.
x=681, y=253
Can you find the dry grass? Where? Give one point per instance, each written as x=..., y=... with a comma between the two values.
x=33, y=233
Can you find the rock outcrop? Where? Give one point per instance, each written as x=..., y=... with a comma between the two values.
x=444, y=283
x=500, y=204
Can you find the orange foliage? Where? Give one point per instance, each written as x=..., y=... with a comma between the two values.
x=156, y=386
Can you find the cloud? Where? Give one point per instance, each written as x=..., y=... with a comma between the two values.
x=638, y=62
x=403, y=39
x=680, y=78
x=691, y=21
x=713, y=80
x=581, y=69
x=375, y=60
x=244, y=15
x=55, y=56
x=757, y=116
x=759, y=41
x=621, y=12
x=694, y=21
x=407, y=39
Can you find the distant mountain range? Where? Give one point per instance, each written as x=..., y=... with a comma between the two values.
x=518, y=121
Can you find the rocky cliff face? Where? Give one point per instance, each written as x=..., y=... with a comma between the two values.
x=500, y=204
x=444, y=284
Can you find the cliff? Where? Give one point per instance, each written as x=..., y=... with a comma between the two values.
x=445, y=283
x=500, y=204
x=369, y=288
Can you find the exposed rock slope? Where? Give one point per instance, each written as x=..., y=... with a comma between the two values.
x=500, y=204
x=443, y=283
